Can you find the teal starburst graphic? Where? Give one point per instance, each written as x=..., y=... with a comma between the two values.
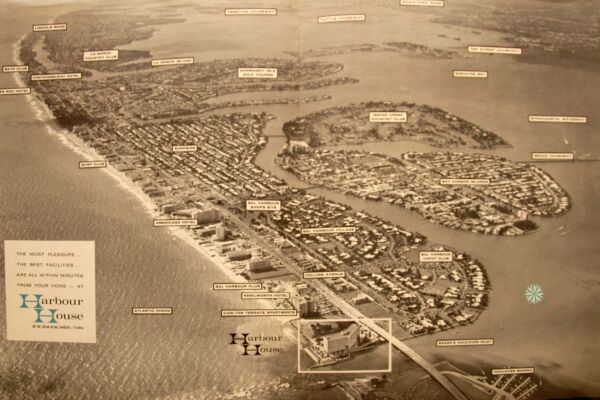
x=534, y=294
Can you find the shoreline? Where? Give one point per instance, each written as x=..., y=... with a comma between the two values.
x=75, y=144
x=498, y=271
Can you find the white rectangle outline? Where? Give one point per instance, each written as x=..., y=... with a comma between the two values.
x=82, y=164
x=15, y=94
x=244, y=291
x=253, y=77
x=451, y=256
x=469, y=76
x=505, y=371
x=257, y=15
x=183, y=148
x=258, y=309
x=56, y=79
x=351, y=371
x=100, y=51
x=582, y=117
x=151, y=308
x=272, y=202
x=323, y=277
x=464, y=344
x=311, y=231
x=572, y=158
x=403, y=114
x=341, y=15
x=189, y=223
x=170, y=65
x=14, y=65
x=237, y=283
x=520, y=52
x=50, y=30
x=424, y=5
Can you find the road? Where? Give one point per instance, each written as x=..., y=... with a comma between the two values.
x=357, y=316
x=348, y=309
x=499, y=393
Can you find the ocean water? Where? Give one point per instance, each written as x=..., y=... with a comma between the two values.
x=557, y=337
x=44, y=196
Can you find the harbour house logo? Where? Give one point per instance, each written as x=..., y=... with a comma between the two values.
x=256, y=345
x=44, y=308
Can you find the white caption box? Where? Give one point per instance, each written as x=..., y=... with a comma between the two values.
x=470, y=74
x=185, y=149
x=92, y=164
x=15, y=68
x=270, y=73
x=259, y=313
x=250, y=11
x=552, y=156
x=435, y=256
x=152, y=310
x=512, y=371
x=465, y=342
x=175, y=222
x=55, y=77
x=264, y=295
x=495, y=50
x=101, y=55
x=50, y=290
x=263, y=205
x=423, y=3
x=388, y=116
x=339, y=229
x=474, y=182
x=342, y=18
x=14, y=91
x=324, y=274
x=237, y=286
x=172, y=61
x=558, y=119
x=49, y=27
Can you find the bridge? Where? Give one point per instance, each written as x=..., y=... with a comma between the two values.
x=352, y=313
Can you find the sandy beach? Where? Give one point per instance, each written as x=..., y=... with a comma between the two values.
x=74, y=143
x=557, y=336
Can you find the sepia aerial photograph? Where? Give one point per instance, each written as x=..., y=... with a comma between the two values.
x=300, y=200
